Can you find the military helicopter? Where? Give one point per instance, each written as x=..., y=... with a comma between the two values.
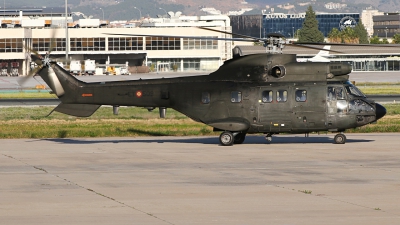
x=268, y=93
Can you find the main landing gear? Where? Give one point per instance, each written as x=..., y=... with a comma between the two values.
x=228, y=138
x=340, y=138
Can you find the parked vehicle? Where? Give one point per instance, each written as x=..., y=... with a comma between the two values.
x=90, y=67
x=75, y=67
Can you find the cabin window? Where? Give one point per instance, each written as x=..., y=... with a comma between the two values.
x=236, y=96
x=205, y=97
x=301, y=95
x=281, y=96
x=267, y=96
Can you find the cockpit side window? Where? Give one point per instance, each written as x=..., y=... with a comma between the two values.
x=335, y=93
x=331, y=95
x=340, y=93
x=353, y=90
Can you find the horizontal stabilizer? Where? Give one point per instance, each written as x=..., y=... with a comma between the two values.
x=80, y=110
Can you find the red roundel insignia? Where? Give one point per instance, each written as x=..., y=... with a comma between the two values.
x=139, y=94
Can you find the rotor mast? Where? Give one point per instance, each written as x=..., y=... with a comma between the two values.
x=274, y=44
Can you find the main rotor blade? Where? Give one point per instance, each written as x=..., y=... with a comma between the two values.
x=176, y=36
x=315, y=48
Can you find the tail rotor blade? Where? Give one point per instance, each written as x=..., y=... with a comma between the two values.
x=28, y=49
x=33, y=72
x=52, y=41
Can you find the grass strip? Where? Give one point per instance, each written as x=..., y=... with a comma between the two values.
x=30, y=122
x=101, y=128
x=23, y=95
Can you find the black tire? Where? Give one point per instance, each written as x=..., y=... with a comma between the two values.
x=226, y=138
x=239, y=138
x=340, y=139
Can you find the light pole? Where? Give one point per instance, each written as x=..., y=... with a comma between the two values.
x=386, y=30
x=140, y=12
x=293, y=32
x=103, y=12
x=66, y=30
x=164, y=11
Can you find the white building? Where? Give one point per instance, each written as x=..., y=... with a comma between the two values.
x=367, y=19
x=335, y=5
x=132, y=45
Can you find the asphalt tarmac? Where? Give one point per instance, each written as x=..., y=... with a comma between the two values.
x=193, y=180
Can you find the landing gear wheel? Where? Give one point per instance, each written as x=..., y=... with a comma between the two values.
x=239, y=138
x=268, y=138
x=340, y=139
x=226, y=138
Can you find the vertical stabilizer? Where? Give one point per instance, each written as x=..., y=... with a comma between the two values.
x=63, y=84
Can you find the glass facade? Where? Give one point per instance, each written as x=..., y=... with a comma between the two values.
x=366, y=63
x=125, y=43
x=189, y=43
x=11, y=45
x=183, y=64
x=88, y=44
x=43, y=44
x=288, y=24
x=163, y=43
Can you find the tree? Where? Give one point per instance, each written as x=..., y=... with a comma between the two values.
x=335, y=36
x=361, y=33
x=349, y=36
x=309, y=31
x=396, y=39
x=384, y=41
x=375, y=40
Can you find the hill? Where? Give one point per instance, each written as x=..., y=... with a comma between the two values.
x=125, y=9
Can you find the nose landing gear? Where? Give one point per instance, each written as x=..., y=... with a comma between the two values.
x=268, y=137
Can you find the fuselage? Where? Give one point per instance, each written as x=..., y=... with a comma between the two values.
x=253, y=94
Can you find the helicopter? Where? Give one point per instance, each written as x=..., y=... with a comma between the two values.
x=268, y=93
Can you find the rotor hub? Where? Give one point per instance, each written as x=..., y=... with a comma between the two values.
x=46, y=60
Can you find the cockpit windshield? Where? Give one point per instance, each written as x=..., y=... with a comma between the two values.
x=353, y=90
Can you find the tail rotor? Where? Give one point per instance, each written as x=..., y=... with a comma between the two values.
x=40, y=61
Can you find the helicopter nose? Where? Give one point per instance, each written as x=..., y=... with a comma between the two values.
x=380, y=111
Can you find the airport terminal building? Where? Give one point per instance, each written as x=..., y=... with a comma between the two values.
x=95, y=40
